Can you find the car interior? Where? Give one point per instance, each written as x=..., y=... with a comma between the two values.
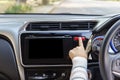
x=36, y=46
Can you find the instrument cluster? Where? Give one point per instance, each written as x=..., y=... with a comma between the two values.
x=114, y=43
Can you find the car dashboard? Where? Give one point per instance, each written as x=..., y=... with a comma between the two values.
x=36, y=46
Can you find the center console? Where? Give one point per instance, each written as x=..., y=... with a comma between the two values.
x=45, y=54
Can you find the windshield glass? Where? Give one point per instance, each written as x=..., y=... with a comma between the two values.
x=96, y=7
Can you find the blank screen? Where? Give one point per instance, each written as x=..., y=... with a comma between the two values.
x=45, y=48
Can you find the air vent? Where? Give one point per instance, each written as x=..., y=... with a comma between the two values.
x=61, y=26
x=43, y=26
x=78, y=25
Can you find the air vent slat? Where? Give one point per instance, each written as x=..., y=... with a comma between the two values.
x=78, y=25
x=42, y=26
x=39, y=26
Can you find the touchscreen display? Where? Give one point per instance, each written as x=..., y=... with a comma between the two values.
x=45, y=48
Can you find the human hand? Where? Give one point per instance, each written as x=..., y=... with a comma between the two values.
x=78, y=51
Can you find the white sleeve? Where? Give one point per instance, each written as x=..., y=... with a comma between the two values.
x=79, y=69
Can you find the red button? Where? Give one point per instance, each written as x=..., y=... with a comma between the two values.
x=77, y=38
x=83, y=38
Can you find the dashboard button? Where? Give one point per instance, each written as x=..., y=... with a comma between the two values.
x=37, y=78
x=77, y=38
x=54, y=74
x=63, y=74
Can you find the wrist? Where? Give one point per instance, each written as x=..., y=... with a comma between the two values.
x=79, y=61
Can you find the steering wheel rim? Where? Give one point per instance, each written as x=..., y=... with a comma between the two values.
x=107, y=62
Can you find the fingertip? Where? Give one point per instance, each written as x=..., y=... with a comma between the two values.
x=80, y=41
x=80, y=38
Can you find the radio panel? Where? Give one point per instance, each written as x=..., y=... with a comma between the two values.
x=47, y=48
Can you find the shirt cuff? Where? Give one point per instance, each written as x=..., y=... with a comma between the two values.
x=79, y=61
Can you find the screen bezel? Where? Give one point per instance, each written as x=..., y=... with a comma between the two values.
x=67, y=45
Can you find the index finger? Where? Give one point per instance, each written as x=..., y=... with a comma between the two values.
x=80, y=41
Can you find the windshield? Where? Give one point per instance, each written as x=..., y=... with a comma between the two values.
x=96, y=7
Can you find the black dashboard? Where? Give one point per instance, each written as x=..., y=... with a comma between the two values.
x=35, y=47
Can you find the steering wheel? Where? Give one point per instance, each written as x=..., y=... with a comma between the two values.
x=109, y=62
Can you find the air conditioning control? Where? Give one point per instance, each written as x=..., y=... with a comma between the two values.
x=37, y=78
x=47, y=74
